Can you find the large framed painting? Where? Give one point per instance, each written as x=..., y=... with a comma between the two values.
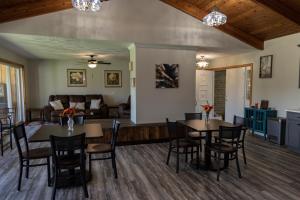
x=113, y=78
x=265, y=70
x=167, y=76
x=76, y=77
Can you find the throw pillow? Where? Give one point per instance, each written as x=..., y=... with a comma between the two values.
x=95, y=104
x=80, y=106
x=57, y=105
x=73, y=104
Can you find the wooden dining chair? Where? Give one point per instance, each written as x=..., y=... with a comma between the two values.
x=179, y=145
x=194, y=134
x=25, y=156
x=232, y=137
x=75, y=158
x=237, y=120
x=102, y=148
x=240, y=121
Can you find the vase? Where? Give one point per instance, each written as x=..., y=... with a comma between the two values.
x=70, y=123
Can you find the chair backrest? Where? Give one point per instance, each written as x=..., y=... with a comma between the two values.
x=69, y=144
x=231, y=134
x=237, y=120
x=190, y=116
x=19, y=134
x=172, y=129
x=115, y=133
x=80, y=119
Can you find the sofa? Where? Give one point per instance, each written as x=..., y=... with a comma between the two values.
x=52, y=115
x=124, y=109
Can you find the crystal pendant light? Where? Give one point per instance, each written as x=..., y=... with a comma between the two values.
x=86, y=5
x=202, y=63
x=215, y=18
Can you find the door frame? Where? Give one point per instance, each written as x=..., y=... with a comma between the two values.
x=237, y=66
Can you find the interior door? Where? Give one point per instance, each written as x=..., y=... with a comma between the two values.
x=235, y=93
x=204, y=89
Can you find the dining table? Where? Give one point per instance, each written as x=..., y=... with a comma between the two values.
x=209, y=128
x=92, y=131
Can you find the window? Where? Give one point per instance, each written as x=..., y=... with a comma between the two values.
x=12, y=90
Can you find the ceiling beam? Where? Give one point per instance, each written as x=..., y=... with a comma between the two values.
x=198, y=13
x=32, y=8
x=281, y=9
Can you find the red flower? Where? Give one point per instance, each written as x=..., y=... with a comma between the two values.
x=69, y=112
x=207, y=108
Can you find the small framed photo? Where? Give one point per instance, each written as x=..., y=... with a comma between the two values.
x=265, y=70
x=76, y=77
x=113, y=78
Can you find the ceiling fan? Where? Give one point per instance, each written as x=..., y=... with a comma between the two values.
x=92, y=62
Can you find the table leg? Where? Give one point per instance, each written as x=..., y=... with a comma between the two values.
x=207, y=150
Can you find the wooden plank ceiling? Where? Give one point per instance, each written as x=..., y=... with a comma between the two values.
x=251, y=21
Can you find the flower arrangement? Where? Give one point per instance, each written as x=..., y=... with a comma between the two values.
x=207, y=108
x=70, y=112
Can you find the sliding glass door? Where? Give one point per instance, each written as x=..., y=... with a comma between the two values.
x=12, y=90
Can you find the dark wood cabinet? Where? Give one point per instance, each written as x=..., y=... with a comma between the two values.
x=293, y=131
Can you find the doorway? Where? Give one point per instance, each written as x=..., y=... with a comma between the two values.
x=229, y=89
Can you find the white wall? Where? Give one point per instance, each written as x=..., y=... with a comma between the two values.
x=48, y=77
x=155, y=105
x=282, y=89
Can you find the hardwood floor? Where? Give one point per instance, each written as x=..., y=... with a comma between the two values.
x=272, y=173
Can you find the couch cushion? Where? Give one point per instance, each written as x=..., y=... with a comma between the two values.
x=77, y=98
x=88, y=99
x=56, y=105
x=63, y=98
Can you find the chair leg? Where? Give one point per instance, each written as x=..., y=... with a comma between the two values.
x=200, y=143
x=238, y=165
x=10, y=139
x=198, y=156
x=20, y=177
x=48, y=172
x=177, y=159
x=244, y=154
x=186, y=154
x=218, y=167
x=113, y=159
x=1, y=140
x=83, y=182
x=90, y=163
x=27, y=169
x=169, y=154
x=192, y=153
x=54, y=184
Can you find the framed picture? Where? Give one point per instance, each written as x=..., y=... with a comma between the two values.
x=76, y=77
x=265, y=70
x=2, y=90
x=113, y=78
x=167, y=76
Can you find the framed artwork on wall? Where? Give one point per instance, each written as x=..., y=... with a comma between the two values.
x=113, y=78
x=167, y=76
x=76, y=77
x=265, y=70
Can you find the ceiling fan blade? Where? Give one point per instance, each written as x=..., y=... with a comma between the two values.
x=104, y=63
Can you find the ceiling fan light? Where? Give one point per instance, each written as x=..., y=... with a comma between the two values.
x=92, y=65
